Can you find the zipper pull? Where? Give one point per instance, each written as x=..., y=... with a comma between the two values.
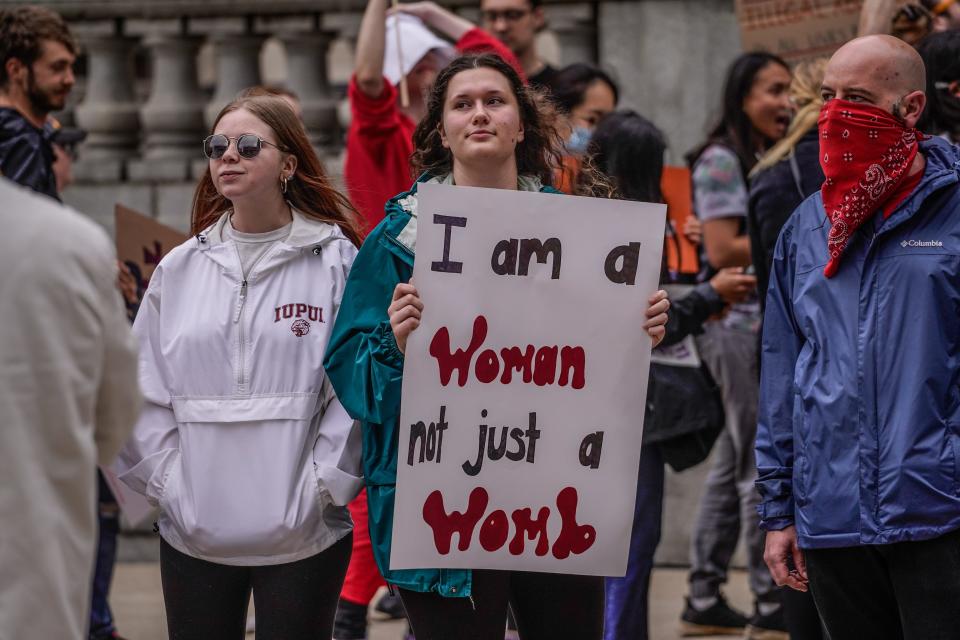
x=243, y=298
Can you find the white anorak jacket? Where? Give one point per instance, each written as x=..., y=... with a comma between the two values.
x=242, y=442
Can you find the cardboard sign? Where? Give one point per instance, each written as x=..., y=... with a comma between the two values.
x=682, y=255
x=142, y=242
x=797, y=29
x=525, y=384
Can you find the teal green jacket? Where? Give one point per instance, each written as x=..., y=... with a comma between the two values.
x=365, y=367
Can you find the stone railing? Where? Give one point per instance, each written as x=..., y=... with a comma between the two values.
x=158, y=71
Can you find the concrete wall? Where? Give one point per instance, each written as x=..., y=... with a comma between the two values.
x=670, y=56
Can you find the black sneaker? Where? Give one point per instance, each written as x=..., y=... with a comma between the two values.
x=768, y=627
x=350, y=623
x=719, y=620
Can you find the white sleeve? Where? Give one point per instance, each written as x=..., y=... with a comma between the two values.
x=145, y=460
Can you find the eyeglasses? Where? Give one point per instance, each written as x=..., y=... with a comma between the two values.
x=509, y=15
x=248, y=145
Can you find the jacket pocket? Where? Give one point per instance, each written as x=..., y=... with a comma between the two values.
x=335, y=485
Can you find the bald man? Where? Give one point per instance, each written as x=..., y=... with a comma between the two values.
x=858, y=442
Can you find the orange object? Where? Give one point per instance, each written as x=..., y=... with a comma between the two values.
x=682, y=255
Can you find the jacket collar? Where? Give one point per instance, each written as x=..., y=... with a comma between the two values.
x=407, y=203
x=305, y=233
x=942, y=169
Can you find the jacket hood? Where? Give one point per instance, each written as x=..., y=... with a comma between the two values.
x=941, y=154
x=305, y=232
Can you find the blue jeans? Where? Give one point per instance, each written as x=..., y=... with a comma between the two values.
x=101, y=618
x=627, y=597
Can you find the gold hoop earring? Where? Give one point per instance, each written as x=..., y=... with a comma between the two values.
x=283, y=184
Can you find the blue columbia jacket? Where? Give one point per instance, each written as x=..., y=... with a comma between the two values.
x=859, y=430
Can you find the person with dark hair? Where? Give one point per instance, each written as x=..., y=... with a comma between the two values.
x=941, y=56
x=583, y=94
x=482, y=128
x=756, y=113
x=377, y=166
x=232, y=330
x=858, y=440
x=516, y=23
x=628, y=149
x=37, y=54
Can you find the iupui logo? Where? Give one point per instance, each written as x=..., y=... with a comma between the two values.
x=921, y=243
x=298, y=310
x=301, y=313
x=300, y=328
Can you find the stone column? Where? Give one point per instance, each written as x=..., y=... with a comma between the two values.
x=307, y=76
x=238, y=67
x=670, y=57
x=108, y=111
x=576, y=31
x=173, y=115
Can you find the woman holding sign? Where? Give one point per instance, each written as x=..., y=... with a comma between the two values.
x=482, y=129
x=245, y=449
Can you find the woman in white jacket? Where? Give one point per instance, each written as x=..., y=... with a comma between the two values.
x=242, y=442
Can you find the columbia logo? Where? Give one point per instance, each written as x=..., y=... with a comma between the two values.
x=921, y=243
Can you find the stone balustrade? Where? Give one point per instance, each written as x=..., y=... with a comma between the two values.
x=145, y=124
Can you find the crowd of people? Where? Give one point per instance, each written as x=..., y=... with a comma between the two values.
x=262, y=421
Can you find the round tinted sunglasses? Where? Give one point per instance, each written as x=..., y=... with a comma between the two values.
x=248, y=145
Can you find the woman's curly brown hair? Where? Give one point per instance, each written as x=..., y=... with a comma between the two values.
x=538, y=154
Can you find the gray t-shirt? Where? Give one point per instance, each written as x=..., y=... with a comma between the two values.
x=719, y=191
x=251, y=247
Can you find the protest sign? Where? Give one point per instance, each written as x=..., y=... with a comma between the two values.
x=142, y=241
x=797, y=29
x=525, y=384
x=682, y=258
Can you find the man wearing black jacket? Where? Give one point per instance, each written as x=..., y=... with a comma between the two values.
x=37, y=54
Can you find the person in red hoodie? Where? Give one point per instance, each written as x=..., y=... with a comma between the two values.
x=380, y=137
x=379, y=146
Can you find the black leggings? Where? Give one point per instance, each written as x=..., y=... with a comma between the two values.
x=294, y=601
x=547, y=606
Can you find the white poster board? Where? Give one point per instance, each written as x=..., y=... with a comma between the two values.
x=534, y=305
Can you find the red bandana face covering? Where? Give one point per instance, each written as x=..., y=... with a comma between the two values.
x=866, y=155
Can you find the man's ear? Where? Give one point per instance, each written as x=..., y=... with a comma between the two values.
x=539, y=19
x=954, y=89
x=912, y=106
x=15, y=69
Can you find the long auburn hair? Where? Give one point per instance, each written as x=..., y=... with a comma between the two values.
x=735, y=130
x=309, y=190
x=538, y=154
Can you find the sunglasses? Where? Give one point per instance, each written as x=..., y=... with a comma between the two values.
x=248, y=145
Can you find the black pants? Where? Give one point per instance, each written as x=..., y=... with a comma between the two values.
x=547, y=606
x=908, y=590
x=294, y=601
